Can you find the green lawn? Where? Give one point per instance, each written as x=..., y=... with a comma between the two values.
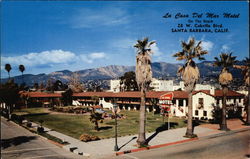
x=76, y=125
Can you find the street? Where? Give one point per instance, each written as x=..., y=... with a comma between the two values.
x=228, y=146
x=17, y=142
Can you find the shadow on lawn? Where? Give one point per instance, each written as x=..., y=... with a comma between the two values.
x=35, y=114
x=163, y=127
x=5, y=143
x=105, y=128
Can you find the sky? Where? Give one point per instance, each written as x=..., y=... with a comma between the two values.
x=62, y=35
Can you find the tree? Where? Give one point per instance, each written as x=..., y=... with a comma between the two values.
x=49, y=86
x=9, y=94
x=225, y=78
x=95, y=99
x=246, y=73
x=190, y=74
x=8, y=68
x=95, y=118
x=128, y=81
x=75, y=83
x=22, y=69
x=67, y=97
x=143, y=74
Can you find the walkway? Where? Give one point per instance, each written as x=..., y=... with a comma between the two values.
x=105, y=148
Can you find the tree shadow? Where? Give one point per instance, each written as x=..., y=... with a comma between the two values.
x=5, y=143
x=35, y=114
x=105, y=128
x=242, y=120
x=127, y=142
x=163, y=127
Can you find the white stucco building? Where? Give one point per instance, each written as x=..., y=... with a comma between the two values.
x=162, y=85
x=115, y=85
x=203, y=102
x=156, y=85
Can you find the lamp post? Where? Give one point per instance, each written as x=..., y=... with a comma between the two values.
x=115, y=107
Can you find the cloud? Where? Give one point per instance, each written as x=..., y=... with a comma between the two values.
x=52, y=58
x=156, y=51
x=225, y=48
x=42, y=58
x=88, y=18
x=207, y=45
x=89, y=58
x=97, y=55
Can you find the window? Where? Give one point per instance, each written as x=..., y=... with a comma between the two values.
x=180, y=102
x=204, y=113
x=174, y=101
x=201, y=100
x=197, y=112
x=217, y=101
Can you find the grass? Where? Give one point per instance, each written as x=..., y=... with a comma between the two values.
x=76, y=125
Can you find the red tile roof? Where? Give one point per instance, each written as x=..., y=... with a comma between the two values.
x=43, y=94
x=151, y=94
x=219, y=93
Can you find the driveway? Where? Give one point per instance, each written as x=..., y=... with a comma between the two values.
x=17, y=142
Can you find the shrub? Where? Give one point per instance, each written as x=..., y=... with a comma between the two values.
x=14, y=117
x=86, y=138
x=20, y=120
x=40, y=129
x=29, y=124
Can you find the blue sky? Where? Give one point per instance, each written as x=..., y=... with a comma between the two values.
x=56, y=35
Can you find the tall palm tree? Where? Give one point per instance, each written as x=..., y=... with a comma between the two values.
x=190, y=74
x=8, y=68
x=226, y=61
x=22, y=69
x=246, y=73
x=143, y=78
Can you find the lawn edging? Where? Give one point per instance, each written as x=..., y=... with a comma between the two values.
x=155, y=146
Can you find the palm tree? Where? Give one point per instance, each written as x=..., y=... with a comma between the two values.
x=190, y=74
x=143, y=78
x=22, y=69
x=226, y=61
x=246, y=73
x=8, y=68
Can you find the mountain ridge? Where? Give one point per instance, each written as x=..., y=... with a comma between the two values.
x=161, y=70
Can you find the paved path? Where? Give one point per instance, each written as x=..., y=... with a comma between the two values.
x=104, y=148
x=231, y=145
x=17, y=142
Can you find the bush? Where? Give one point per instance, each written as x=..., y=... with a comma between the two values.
x=86, y=138
x=20, y=120
x=29, y=124
x=40, y=129
x=14, y=117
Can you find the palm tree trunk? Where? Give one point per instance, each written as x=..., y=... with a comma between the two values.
x=142, y=138
x=223, y=125
x=9, y=74
x=22, y=77
x=190, y=129
x=248, y=107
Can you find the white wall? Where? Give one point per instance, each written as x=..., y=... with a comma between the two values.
x=115, y=85
x=208, y=101
x=162, y=85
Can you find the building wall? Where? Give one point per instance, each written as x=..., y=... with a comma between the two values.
x=208, y=102
x=115, y=85
x=162, y=85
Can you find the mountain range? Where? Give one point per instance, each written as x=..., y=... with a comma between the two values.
x=160, y=70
